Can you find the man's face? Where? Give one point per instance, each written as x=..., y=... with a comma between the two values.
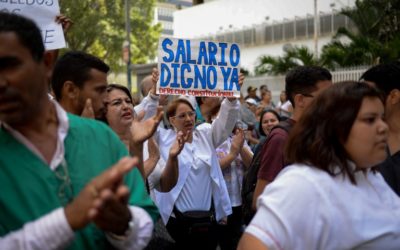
x=23, y=81
x=253, y=93
x=95, y=89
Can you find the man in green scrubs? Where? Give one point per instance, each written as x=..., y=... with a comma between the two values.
x=62, y=180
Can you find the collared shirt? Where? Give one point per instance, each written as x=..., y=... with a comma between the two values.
x=306, y=208
x=62, y=132
x=206, y=137
x=52, y=231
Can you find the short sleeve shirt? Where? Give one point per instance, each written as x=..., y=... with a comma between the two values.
x=307, y=209
x=272, y=159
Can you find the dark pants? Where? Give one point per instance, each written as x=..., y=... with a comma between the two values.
x=160, y=239
x=188, y=237
x=230, y=233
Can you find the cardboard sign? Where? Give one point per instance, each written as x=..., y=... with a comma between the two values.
x=198, y=68
x=43, y=12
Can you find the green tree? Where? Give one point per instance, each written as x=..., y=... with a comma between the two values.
x=292, y=57
x=99, y=29
x=375, y=38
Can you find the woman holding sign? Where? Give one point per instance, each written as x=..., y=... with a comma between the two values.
x=193, y=197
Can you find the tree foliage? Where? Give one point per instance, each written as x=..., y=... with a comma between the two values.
x=99, y=29
x=375, y=38
x=292, y=57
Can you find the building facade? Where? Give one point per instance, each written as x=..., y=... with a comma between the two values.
x=262, y=27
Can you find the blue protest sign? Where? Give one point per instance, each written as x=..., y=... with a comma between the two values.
x=198, y=68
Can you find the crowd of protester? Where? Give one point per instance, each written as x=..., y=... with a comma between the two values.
x=89, y=168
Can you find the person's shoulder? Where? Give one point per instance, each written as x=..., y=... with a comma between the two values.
x=77, y=121
x=204, y=126
x=82, y=125
x=304, y=171
x=277, y=134
x=306, y=178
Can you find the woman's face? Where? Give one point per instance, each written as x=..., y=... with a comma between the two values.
x=267, y=97
x=283, y=96
x=119, y=109
x=268, y=121
x=184, y=118
x=366, y=144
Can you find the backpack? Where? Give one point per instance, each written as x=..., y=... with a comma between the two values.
x=250, y=179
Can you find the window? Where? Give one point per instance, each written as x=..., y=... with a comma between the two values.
x=278, y=32
x=288, y=30
x=325, y=24
x=301, y=28
x=269, y=36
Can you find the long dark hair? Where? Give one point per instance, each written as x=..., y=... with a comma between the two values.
x=318, y=137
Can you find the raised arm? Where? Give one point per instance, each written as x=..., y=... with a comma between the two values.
x=228, y=115
x=170, y=174
x=236, y=146
x=246, y=154
x=225, y=122
x=142, y=130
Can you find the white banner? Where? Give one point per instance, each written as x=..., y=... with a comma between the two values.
x=44, y=13
x=198, y=68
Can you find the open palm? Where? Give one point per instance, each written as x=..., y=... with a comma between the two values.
x=143, y=130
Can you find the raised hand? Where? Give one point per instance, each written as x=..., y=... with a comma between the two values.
x=155, y=76
x=237, y=142
x=241, y=81
x=178, y=144
x=110, y=210
x=143, y=130
x=65, y=22
x=103, y=200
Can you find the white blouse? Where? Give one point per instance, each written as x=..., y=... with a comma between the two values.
x=306, y=208
x=206, y=138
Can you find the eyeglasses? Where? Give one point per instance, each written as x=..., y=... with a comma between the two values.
x=182, y=116
x=65, y=190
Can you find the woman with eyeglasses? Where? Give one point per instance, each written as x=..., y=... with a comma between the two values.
x=331, y=196
x=121, y=118
x=193, y=197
